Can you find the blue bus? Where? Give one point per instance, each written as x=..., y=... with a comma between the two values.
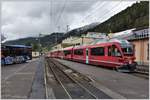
x=11, y=54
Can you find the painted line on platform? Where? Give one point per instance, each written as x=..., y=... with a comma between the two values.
x=14, y=73
x=45, y=80
x=107, y=91
x=15, y=96
x=19, y=69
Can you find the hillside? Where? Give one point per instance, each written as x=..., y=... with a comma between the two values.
x=132, y=17
x=45, y=40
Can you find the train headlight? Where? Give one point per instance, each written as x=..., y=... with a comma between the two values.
x=130, y=61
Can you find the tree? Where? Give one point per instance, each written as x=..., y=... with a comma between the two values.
x=35, y=46
x=28, y=43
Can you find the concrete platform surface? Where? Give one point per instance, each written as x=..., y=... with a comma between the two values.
x=16, y=81
x=38, y=87
x=113, y=83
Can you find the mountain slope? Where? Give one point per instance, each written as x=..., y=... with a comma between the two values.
x=45, y=40
x=132, y=17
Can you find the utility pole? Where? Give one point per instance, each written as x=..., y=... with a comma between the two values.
x=39, y=43
x=82, y=39
x=56, y=37
x=67, y=28
x=58, y=28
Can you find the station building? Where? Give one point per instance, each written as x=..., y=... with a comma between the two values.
x=35, y=54
x=74, y=40
x=140, y=40
x=85, y=39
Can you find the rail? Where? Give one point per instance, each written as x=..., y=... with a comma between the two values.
x=60, y=76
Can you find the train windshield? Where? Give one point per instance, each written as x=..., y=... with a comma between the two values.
x=127, y=47
x=128, y=50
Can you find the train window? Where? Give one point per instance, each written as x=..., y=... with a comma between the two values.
x=99, y=51
x=86, y=51
x=67, y=52
x=127, y=50
x=148, y=51
x=113, y=51
x=78, y=52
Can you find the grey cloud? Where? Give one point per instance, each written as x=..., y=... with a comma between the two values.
x=31, y=18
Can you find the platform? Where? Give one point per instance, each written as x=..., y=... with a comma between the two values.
x=19, y=81
x=114, y=84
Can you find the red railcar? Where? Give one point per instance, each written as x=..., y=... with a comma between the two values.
x=59, y=54
x=79, y=54
x=68, y=53
x=119, y=55
x=54, y=54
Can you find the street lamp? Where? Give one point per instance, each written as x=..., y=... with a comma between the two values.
x=39, y=42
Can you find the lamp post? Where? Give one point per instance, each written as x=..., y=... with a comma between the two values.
x=39, y=43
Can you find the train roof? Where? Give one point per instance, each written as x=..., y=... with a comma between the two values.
x=94, y=45
x=67, y=48
x=122, y=42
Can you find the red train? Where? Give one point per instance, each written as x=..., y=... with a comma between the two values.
x=118, y=55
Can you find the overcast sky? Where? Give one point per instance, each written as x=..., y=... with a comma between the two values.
x=29, y=18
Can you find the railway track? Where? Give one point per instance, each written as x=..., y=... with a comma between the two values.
x=141, y=74
x=73, y=85
x=142, y=71
x=63, y=79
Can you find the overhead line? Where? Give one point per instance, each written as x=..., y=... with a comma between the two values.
x=111, y=9
x=61, y=13
x=51, y=11
x=90, y=14
x=59, y=17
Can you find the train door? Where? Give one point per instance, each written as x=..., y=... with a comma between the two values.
x=114, y=55
x=87, y=56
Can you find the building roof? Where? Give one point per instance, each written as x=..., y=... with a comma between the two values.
x=19, y=46
x=2, y=37
x=139, y=34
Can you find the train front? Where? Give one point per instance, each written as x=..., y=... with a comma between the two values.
x=128, y=59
